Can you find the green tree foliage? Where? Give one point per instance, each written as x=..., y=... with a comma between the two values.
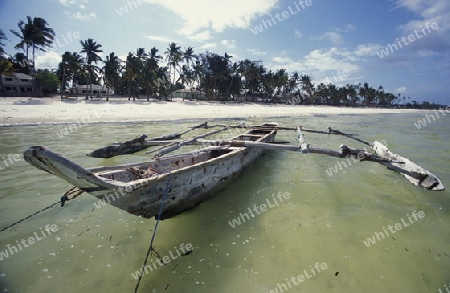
x=141, y=74
x=47, y=81
x=34, y=34
x=91, y=48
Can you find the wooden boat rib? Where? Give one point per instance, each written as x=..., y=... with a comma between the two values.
x=138, y=188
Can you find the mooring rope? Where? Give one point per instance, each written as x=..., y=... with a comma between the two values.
x=150, y=248
x=21, y=220
x=63, y=199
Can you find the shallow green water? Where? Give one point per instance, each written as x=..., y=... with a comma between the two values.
x=325, y=220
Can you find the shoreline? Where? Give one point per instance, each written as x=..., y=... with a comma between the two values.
x=26, y=111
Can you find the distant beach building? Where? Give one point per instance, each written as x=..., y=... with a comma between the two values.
x=16, y=85
x=97, y=90
x=189, y=94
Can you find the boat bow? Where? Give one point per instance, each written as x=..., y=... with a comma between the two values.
x=55, y=164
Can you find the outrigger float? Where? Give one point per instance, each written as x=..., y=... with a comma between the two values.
x=179, y=182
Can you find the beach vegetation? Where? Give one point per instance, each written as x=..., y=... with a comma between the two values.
x=2, y=38
x=150, y=74
x=69, y=70
x=47, y=81
x=92, y=50
x=34, y=34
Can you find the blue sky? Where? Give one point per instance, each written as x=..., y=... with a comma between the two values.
x=331, y=41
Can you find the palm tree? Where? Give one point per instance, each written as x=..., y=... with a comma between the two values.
x=368, y=94
x=91, y=48
x=234, y=88
x=293, y=82
x=21, y=63
x=253, y=72
x=351, y=91
x=68, y=69
x=198, y=72
x=2, y=37
x=307, y=86
x=281, y=81
x=381, y=96
x=321, y=93
x=34, y=34
x=189, y=57
x=154, y=59
x=112, y=71
x=269, y=83
x=334, y=94
x=132, y=71
x=163, y=81
x=173, y=58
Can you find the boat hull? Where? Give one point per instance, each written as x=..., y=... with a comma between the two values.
x=177, y=189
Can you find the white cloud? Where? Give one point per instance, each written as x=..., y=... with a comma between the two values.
x=349, y=27
x=48, y=60
x=282, y=59
x=345, y=29
x=256, y=52
x=218, y=14
x=231, y=44
x=367, y=49
x=203, y=36
x=333, y=37
x=68, y=2
x=400, y=90
x=73, y=2
x=298, y=33
x=86, y=16
x=429, y=11
x=209, y=46
x=161, y=39
x=335, y=65
x=81, y=5
x=436, y=11
x=413, y=5
x=333, y=59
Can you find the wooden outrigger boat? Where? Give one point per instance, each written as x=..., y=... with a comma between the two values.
x=177, y=183
x=140, y=188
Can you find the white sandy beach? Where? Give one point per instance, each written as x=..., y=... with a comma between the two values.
x=24, y=110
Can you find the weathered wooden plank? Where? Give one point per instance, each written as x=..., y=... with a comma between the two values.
x=127, y=147
x=137, y=144
x=414, y=173
x=175, y=147
x=304, y=147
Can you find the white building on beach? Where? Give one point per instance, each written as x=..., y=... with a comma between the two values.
x=16, y=84
x=97, y=90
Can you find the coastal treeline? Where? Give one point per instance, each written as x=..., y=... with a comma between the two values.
x=155, y=73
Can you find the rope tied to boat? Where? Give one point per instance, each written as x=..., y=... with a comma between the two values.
x=34, y=214
x=151, y=248
x=73, y=192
